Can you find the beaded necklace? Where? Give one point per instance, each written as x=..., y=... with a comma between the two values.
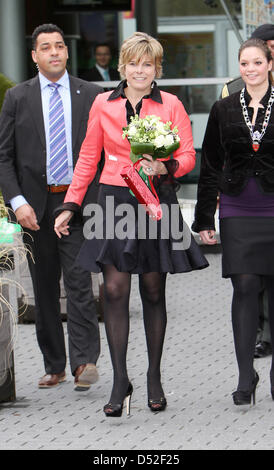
x=257, y=136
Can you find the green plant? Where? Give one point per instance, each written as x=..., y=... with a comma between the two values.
x=3, y=209
x=10, y=253
x=5, y=83
x=8, y=315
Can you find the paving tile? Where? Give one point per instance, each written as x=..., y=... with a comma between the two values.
x=199, y=373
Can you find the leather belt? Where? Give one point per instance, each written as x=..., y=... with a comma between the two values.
x=61, y=188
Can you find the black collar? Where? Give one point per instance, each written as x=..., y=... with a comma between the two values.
x=264, y=99
x=155, y=94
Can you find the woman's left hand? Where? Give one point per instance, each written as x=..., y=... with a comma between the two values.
x=153, y=167
x=61, y=226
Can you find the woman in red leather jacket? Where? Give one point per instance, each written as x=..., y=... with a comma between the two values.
x=237, y=161
x=149, y=256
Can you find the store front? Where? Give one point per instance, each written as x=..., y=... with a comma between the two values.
x=200, y=47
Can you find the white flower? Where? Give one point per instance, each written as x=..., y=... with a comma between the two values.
x=147, y=124
x=159, y=141
x=169, y=140
x=132, y=130
x=161, y=128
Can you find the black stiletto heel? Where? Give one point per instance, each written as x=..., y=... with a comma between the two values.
x=157, y=405
x=244, y=397
x=116, y=409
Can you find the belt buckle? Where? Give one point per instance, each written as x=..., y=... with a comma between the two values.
x=57, y=188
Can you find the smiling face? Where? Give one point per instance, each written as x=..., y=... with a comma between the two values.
x=140, y=74
x=51, y=55
x=254, y=66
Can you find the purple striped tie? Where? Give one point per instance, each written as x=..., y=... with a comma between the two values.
x=57, y=136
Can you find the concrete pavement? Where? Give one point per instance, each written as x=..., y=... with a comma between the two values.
x=199, y=375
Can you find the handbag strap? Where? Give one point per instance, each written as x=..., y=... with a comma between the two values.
x=153, y=190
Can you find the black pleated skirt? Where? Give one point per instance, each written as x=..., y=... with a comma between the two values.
x=122, y=234
x=247, y=245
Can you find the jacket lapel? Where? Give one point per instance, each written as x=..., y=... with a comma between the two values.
x=35, y=104
x=77, y=107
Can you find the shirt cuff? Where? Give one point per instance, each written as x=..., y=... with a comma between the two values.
x=17, y=202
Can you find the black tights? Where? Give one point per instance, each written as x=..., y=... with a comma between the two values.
x=245, y=319
x=116, y=316
x=269, y=283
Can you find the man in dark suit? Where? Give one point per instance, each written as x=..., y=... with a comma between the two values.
x=42, y=125
x=101, y=70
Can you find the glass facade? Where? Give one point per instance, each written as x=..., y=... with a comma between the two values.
x=196, y=7
x=70, y=5
x=94, y=28
x=197, y=37
x=190, y=55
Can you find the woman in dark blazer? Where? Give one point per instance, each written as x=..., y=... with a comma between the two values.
x=238, y=162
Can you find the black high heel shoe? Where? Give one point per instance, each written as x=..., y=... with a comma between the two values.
x=157, y=405
x=244, y=397
x=116, y=409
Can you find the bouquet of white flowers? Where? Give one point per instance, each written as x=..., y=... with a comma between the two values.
x=150, y=135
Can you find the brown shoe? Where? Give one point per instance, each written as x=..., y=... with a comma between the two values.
x=85, y=375
x=51, y=380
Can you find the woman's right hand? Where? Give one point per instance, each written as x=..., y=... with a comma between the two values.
x=61, y=223
x=208, y=237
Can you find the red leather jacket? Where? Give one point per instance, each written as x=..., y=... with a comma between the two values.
x=106, y=120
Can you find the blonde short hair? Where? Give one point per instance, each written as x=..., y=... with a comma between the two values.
x=137, y=46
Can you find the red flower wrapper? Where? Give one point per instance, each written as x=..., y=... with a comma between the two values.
x=142, y=193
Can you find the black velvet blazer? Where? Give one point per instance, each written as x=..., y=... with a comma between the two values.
x=228, y=159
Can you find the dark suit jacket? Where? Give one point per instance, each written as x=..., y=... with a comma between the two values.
x=23, y=143
x=93, y=75
x=232, y=87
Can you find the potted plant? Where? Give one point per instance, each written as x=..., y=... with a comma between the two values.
x=9, y=247
x=8, y=307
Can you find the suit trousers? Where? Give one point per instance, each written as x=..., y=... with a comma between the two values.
x=52, y=257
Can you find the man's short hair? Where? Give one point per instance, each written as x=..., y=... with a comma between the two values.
x=45, y=28
x=102, y=44
x=264, y=32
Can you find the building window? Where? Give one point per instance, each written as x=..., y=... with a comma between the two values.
x=95, y=28
x=190, y=55
x=196, y=7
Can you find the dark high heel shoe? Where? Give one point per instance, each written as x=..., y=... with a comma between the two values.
x=157, y=405
x=272, y=392
x=244, y=397
x=116, y=409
